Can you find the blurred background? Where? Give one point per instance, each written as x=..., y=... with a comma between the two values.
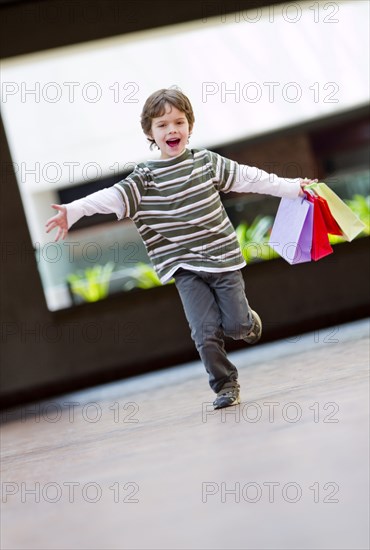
x=281, y=86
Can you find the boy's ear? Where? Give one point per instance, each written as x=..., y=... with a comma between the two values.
x=150, y=138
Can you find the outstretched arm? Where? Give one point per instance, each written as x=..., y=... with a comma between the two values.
x=106, y=201
x=254, y=180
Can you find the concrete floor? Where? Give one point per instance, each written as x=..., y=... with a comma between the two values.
x=147, y=464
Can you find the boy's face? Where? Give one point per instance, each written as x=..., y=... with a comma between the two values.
x=170, y=132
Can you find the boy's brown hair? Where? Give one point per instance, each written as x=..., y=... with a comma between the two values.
x=155, y=106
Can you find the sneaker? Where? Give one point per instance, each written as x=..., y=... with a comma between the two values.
x=228, y=396
x=256, y=330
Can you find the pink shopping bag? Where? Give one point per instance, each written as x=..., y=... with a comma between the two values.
x=291, y=234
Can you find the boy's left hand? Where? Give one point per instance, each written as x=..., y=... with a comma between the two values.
x=305, y=182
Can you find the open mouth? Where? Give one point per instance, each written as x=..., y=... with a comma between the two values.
x=173, y=142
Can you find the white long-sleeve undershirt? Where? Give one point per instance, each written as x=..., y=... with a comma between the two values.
x=254, y=180
x=105, y=201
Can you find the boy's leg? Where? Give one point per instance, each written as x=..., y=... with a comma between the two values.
x=236, y=314
x=205, y=321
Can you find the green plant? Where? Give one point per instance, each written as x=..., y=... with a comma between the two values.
x=253, y=239
x=336, y=239
x=141, y=275
x=360, y=205
x=92, y=284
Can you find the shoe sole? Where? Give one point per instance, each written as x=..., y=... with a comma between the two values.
x=235, y=402
x=254, y=340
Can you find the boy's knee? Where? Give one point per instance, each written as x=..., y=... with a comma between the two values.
x=206, y=334
x=237, y=331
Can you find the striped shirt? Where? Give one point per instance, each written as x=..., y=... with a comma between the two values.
x=176, y=206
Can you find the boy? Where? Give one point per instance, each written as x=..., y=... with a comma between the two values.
x=175, y=204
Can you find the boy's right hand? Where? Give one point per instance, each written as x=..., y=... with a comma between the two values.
x=60, y=221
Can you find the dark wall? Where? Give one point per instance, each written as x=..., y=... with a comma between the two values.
x=29, y=26
x=44, y=352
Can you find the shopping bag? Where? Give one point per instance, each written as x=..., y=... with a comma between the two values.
x=291, y=234
x=320, y=240
x=331, y=225
x=348, y=222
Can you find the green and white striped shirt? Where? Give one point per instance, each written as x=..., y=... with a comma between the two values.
x=176, y=206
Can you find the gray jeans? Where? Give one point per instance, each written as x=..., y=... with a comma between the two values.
x=215, y=306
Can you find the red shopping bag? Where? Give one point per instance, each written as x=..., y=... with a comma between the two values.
x=331, y=225
x=320, y=240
